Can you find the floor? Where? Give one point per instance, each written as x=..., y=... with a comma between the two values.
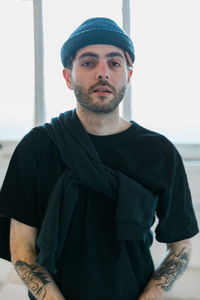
x=186, y=288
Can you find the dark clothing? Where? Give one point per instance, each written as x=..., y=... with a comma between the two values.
x=94, y=264
x=84, y=168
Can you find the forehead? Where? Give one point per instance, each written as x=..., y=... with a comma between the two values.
x=100, y=50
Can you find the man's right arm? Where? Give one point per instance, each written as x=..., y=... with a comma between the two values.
x=23, y=255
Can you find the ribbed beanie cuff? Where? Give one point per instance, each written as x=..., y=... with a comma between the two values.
x=96, y=31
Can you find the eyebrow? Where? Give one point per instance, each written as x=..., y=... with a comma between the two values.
x=92, y=54
x=113, y=54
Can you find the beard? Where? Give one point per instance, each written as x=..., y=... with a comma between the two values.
x=85, y=99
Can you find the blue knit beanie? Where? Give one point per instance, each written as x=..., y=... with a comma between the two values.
x=96, y=31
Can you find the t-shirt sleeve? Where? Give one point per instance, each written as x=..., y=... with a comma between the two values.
x=175, y=211
x=18, y=195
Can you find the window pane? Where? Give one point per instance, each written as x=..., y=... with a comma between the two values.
x=166, y=89
x=60, y=19
x=17, y=69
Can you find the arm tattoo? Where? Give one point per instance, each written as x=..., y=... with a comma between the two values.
x=33, y=277
x=171, y=269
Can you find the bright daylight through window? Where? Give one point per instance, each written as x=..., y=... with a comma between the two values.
x=165, y=83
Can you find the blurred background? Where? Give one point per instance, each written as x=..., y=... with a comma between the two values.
x=164, y=94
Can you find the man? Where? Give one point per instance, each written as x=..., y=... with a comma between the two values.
x=83, y=191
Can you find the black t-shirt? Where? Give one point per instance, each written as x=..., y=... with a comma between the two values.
x=95, y=265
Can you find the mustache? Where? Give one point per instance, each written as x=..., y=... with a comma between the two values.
x=101, y=82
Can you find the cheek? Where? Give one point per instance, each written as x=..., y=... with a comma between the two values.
x=77, y=79
x=121, y=81
x=121, y=77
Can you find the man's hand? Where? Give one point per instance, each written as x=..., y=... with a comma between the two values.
x=174, y=264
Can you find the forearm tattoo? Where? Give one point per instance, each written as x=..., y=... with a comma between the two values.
x=35, y=279
x=171, y=269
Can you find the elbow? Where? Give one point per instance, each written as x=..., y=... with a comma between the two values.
x=19, y=254
x=183, y=247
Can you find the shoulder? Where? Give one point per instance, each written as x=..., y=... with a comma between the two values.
x=35, y=143
x=156, y=144
x=34, y=136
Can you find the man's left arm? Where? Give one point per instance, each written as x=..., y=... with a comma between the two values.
x=171, y=268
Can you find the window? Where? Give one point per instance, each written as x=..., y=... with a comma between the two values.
x=165, y=83
x=166, y=89
x=17, y=69
x=17, y=57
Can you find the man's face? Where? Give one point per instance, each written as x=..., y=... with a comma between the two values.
x=99, y=77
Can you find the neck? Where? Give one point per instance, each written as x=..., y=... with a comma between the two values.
x=101, y=124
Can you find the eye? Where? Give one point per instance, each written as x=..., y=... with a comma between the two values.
x=114, y=64
x=88, y=64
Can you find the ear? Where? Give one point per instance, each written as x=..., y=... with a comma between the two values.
x=67, y=75
x=130, y=73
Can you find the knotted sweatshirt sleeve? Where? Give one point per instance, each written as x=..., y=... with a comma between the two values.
x=86, y=169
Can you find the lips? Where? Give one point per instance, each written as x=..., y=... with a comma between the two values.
x=102, y=89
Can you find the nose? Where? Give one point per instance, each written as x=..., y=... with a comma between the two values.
x=102, y=71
